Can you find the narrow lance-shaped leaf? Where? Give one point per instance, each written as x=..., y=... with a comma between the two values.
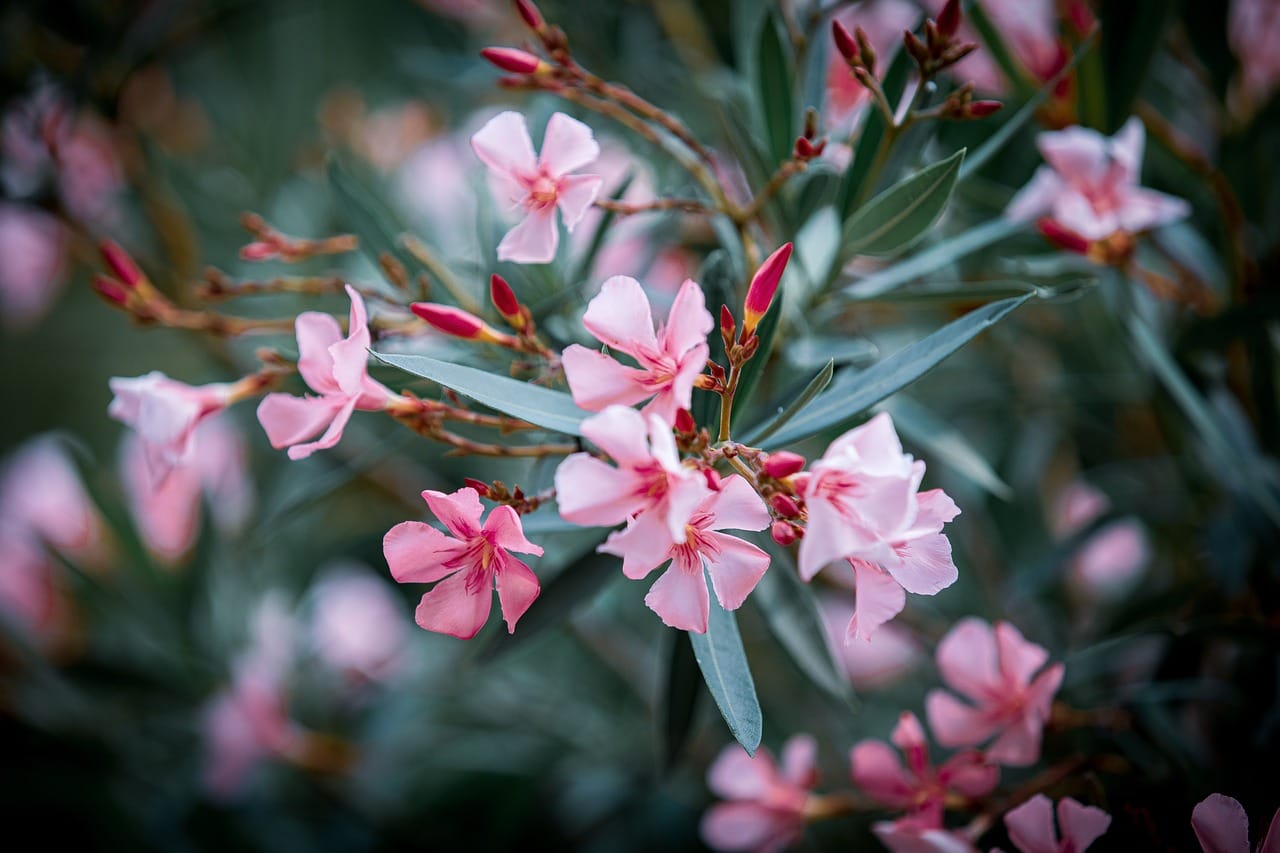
x=857, y=183
x=773, y=72
x=934, y=258
x=841, y=404
x=945, y=444
x=901, y=214
x=816, y=386
x=362, y=212
x=724, y=667
x=544, y=407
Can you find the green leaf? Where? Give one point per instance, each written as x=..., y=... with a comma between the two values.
x=724, y=667
x=859, y=177
x=935, y=257
x=544, y=407
x=364, y=214
x=901, y=214
x=680, y=698
x=946, y=444
x=773, y=77
x=841, y=404
x=1132, y=32
x=792, y=615
x=816, y=386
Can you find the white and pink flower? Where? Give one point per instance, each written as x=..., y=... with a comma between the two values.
x=165, y=413
x=764, y=803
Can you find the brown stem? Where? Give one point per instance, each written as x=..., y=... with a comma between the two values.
x=770, y=189
x=688, y=205
x=629, y=99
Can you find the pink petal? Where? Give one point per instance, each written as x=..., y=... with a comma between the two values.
x=331, y=435
x=734, y=775
x=504, y=146
x=593, y=493
x=574, y=197
x=351, y=354
x=508, y=533
x=688, y=322
x=643, y=546
x=290, y=420
x=168, y=515
x=679, y=393
x=829, y=536
x=1126, y=148
x=967, y=659
x=1037, y=197
x=934, y=508
x=317, y=332
x=597, y=381
x=969, y=773
x=906, y=836
x=954, y=723
x=517, y=587
x=417, y=552
x=1040, y=693
x=619, y=316
x=685, y=495
x=622, y=433
x=567, y=146
x=1030, y=826
x=1221, y=825
x=459, y=511
x=877, y=770
x=1019, y=659
x=879, y=599
x=747, y=826
x=1077, y=153
x=451, y=608
x=735, y=569
x=533, y=240
x=1144, y=209
x=926, y=567
x=737, y=506
x=1081, y=825
x=680, y=597
x=799, y=761
x=1077, y=213
x=1019, y=744
x=1113, y=558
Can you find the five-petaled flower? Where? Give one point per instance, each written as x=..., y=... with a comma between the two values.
x=1031, y=827
x=538, y=184
x=680, y=595
x=468, y=562
x=765, y=803
x=994, y=669
x=334, y=367
x=669, y=360
x=165, y=414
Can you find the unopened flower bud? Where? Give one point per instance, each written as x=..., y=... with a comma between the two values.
x=727, y=326
x=1081, y=17
x=1063, y=237
x=764, y=284
x=783, y=464
x=459, y=323
x=481, y=487
x=949, y=19
x=785, y=506
x=504, y=299
x=684, y=422
x=529, y=14
x=784, y=533
x=803, y=149
x=810, y=123
x=865, y=49
x=110, y=289
x=845, y=42
x=121, y=264
x=915, y=48
x=980, y=109
x=515, y=61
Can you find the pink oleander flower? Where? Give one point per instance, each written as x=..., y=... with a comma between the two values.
x=32, y=263
x=31, y=599
x=913, y=835
x=468, y=562
x=864, y=506
x=883, y=21
x=881, y=660
x=42, y=498
x=538, y=184
x=1031, y=826
x=1221, y=826
x=994, y=669
x=919, y=789
x=680, y=595
x=165, y=413
x=669, y=360
x=1090, y=185
x=1114, y=556
x=356, y=626
x=649, y=482
x=168, y=515
x=334, y=367
x=765, y=803
x=1253, y=27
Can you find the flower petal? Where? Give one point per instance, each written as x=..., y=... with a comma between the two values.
x=879, y=598
x=954, y=723
x=747, y=826
x=735, y=569
x=575, y=196
x=1221, y=825
x=593, y=493
x=597, y=381
x=508, y=533
x=621, y=432
x=1082, y=825
x=459, y=511
x=532, y=241
x=737, y=506
x=1030, y=826
x=1019, y=659
x=619, y=316
x=331, y=436
x=734, y=775
x=926, y=566
x=504, y=146
x=643, y=545
x=967, y=659
x=567, y=145
x=417, y=552
x=290, y=420
x=517, y=587
x=1036, y=198
x=688, y=322
x=451, y=608
x=317, y=332
x=878, y=771
x=680, y=597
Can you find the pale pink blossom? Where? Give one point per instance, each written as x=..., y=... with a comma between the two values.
x=669, y=360
x=996, y=670
x=1090, y=185
x=165, y=413
x=356, y=626
x=864, y=506
x=1253, y=29
x=649, y=482
x=1031, y=826
x=42, y=498
x=1221, y=826
x=467, y=562
x=1114, y=556
x=883, y=21
x=918, y=788
x=32, y=263
x=680, y=595
x=168, y=515
x=30, y=597
x=334, y=367
x=538, y=184
x=764, y=808
x=883, y=659
x=914, y=834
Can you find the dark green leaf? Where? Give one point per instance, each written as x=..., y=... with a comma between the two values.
x=724, y=667
x=816, y=386
x=841, y=404
x=935, y=257
x=366, y=216
x=859, y=177
x=901, y=214
x=1131, y=34
x=680, y=698
x=544, y=407
x=946, y=444
x=774, y=76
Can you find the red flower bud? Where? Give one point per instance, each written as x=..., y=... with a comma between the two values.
x=949, y=19
x=684, y=421
x=515, y=61
x=121, y=264
x=1063, y=237
x=481, y=487
x=844, y=42
x=784, y=506
x=764, y=284
x=530, y=14
x=1081, y=17
x=504, y=299
x=727, y=326
x=456, y=322
x=980, y=109
x=784, y=533
x=803, y=149
x=110, y=289
x=782, y=464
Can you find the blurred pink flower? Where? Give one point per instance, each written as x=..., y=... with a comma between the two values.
x=168, y=515
x=883, y=21
x=919, y=789
x=875, y=663
x=993, y=669
x=1253, y=29
x=32, y=263
x=1031, y=826
x=165, y=413
x=649, y=479
x=1114, y=556
x=538, y=184
x=864, y=506
x=1029, y=28
x=355, y=624
x=468, y=563
x=334, y=367
x=680, y=595
x=42, y=499
x=765, y=808
x=1221, y=826
x=669, y=361
x=1090, y=185
x=913, y=834
x=30, y=597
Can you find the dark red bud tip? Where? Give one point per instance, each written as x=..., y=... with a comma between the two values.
x=510, y=59
x=949, y=19
x=1063, y=237
x=529, y=14
x=481, y=487
x=1081, y=17
x=504, y=298
x=784, y=505
x=726, y=320
x=121, y=264
x=684, y=422
x=804, y=149
x=110, y=289
x=979, y=109
x=784, y=533
x=782, y=464
x=845, y=42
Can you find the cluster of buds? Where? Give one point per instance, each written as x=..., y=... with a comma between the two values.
x=689, y=438
x=961, y=105
x=940, y=48
x=514, y=497
x=781, y=479
x=127, y=286
x=858, y=54
x=523, y=63
x=467, y=326
x=808, y=145
x=270, y=244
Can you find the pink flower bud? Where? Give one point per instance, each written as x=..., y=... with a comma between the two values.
x=504, y=299
x=784, y=506
x=763, y=287
x=110, y=289
x=456, y=322
x=979, y=109
x=844, y=42
x=684, y=422
x=1063, y=237
x=515, y=61
x=121, y=264
x=784, y=533
x=782, y=464
x=258, y=250
x=529, y=14
x=949, y=19
x=481, y=487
